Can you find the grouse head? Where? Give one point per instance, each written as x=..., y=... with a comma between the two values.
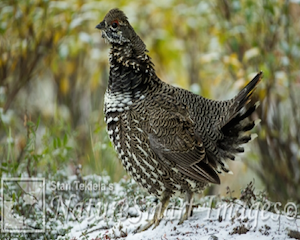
x=118, y=31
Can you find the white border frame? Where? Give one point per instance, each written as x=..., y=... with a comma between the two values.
x=3, y=229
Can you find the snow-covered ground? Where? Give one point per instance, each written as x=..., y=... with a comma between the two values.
x=227, y=220
x=204, y=224
x=93, y=208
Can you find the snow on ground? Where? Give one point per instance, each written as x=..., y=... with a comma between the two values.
x=200, y=227
x=94, y=208
x=204, y=224
x=227, y=221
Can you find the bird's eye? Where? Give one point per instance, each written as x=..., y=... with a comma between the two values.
x=115, y=24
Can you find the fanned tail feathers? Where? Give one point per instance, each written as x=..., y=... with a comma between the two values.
x=244, y=97
x=238, y=122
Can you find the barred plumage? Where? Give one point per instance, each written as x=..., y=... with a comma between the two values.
x=169, y=140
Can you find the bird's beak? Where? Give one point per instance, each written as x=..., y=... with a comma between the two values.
x=101, y=25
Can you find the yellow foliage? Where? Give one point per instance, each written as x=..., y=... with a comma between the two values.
x=232, y=60
x=94, y=83
x=64, y=86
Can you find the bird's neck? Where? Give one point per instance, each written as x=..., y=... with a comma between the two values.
x=128, y=54
x=131, y=72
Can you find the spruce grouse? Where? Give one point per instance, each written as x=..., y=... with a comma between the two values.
x=171, y=141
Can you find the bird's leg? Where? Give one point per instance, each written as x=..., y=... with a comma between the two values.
x=188, y=207
x=159, y=212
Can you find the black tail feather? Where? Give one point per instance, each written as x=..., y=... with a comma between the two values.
x=238, y=123
x=242, y=99
x=245, y=94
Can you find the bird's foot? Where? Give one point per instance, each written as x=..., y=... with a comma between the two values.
x=188, y=211
x=153, y=222
x=158, y=215
x=184, y=217
x=145, y=227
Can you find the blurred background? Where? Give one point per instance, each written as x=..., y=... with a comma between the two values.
x=54, y=71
